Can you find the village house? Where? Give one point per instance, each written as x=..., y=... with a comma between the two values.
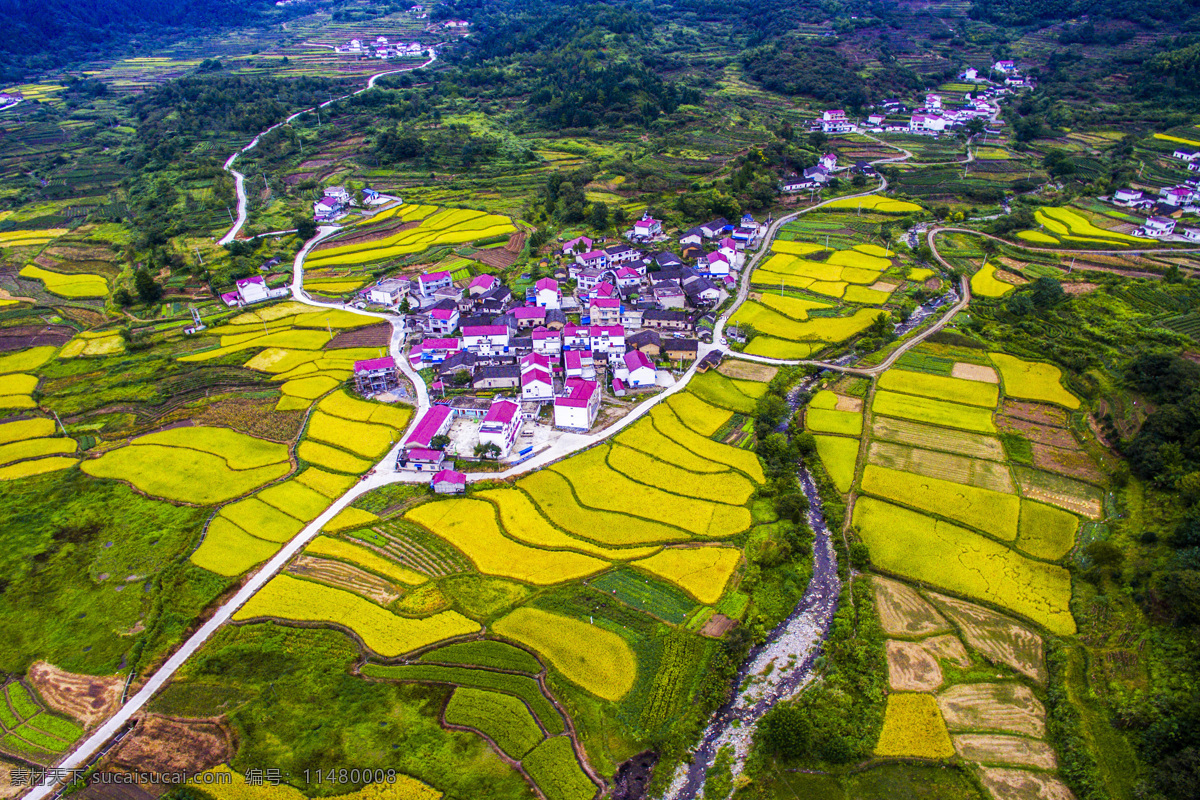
x=529, y=317
x=486, y=340
x=580, y=244
x=327, y=209
x=647, y=227
x=606, y=339
x=537, y=385
x=639, y=371
x=605, y=311
x=927, y=123
x=647, y=341
x=482, y=284
x=714, y=264
x=548, y=294
x=435, y=351
x=252, y=290
x=577, y=407
x=835, y=121
x=828, y=161
x=1176, y=196
x=1126, y=197
x=875, y=120
x=589, y=279
x=441, y=319
x=500, y=426
x=694, y=237
x=1156, y=227
x=448, y=481
x=430, y=282
x=669, y=294
x=1004, y=67
x=593, y=259
x=715, y=228
x=433, y=423
x=579, y=364
x=376, y=375
x=668, y=320
x=622, y=254
x=457, y=369
x=681, y=349
x=631, y=314
x=388, y=292
x=627, y=278
x=507, y=376
x=1186, y=155
x=421, y=459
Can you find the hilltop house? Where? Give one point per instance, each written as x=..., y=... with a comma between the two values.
x=252, y=290
x=647, y=227
x=430, y=282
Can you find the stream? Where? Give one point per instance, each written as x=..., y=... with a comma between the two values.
x=790, y=650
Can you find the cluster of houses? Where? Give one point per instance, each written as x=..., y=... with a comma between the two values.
x=252, y=290
x=1170, y=202
x=381, y=48
x=10, y=98
x=333, y=204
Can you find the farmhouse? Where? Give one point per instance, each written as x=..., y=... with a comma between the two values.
x=647, y=227
x=435, y=351
x=501, y=424
x=648, y=342
x=627, y=277
x=529, y=317
x=433, y=423
x=606, y=338
x=622, y=254
x=482, y=284
x=835, y=121
x=441, y=319
x=1186, y=155
x=668, y=294
x=668, y=320
x=579, y=364
x=486, y=340
x=1156, y=227
x=430, y=282
x=579, y=244
x=1176, y=196
x=605, y=311
x=1126, y=197
x=681, y=349
x=715, y=228
x=388, y=292
x=421, y=459
x=593, y=259
x=448, y=481
x=547, y=294
x=376, y=375
x=640, y=372
x=714, y=264
x=252, y=290
x=577, y=407
x=498, y=377
x=693, y=236
x=546, y=341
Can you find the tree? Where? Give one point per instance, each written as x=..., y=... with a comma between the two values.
x=306, y=228
x=1105, y=556
x=786, y=731
x=439, y=442
x=1019, y=305
x=619, y=217
x=489, y=450
x=1047, y=293
x=770, y=410
x=858, y=181
x=599, y=216
x=881, y=325
x=792, y=506
x=860, y=556
x=147, y=288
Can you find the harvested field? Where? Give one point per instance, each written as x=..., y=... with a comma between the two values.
x=86, y=698
x=371, y=336
x=945, y=466
x=345, y=576
x=911, y=668
x=718, y=625
x=21, y=337
x=1017, y=784
x=1035, y=412
x=1048, y=435
x=1017, y=751
x=1072, y=463
x=162, y=744
x=852, y=404
x=917, y=434
x=1058, y=490
x=7, y=789
x=998, y=637
x=947, y=648
x=1007, y=707
x=747, y=370
x=903, y=612
x=974, y=372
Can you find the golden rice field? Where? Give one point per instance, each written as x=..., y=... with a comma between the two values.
x=743, y=460
x=702, y=572
x=913, y=728
x=985, y=283
x=645, y=437
x=32, y=238
x=93, y=344
x=288, y=598
x=933, y=412
x=39, y=466
x=295, y=498
x=824, y=420
x=1037, y=237
x=181, y=474
x=1069, y=221
x=1033, y=380
x=262, y=520
x=992, y=512
x=552, y=493
x=349, y=518
x=589, y=656
x=362, y=438
x=329, y=484
x=772, y=323
x=332, y=458
x=954, y=390
x=403, y=788
x=228, y=550
x=1045, y=531
x=75, y=284
x=795, y=248
x=716, y=389
x=239, y=450
x=916, y=547
x=874, y=202
x=25, y=360
x=701, y=417
x=839, y=454
x=445, y=227
x=725, y=487
x=471, y=526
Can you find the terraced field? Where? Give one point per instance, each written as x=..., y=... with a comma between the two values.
x=392, y=234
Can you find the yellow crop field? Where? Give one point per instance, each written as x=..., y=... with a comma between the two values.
x=308, y=342
x=598, y=486
x=450, y=226
x=873, y=202
x=521, y=520
x=795, y=248
x=40, y=466
x=859, y=259
x=364, y=557
x=29, y=238
x=363, y=438
x=985, y=284
x=80, y=284
x=17, y=401
x=26, y=429
x=262, y=520
x=875, y=250
x=228, y=550
x=295, y=499
x=1033, y=380
x=332, y=458
x=1168, y=138
x=726, y=487
x=552, y=493
x=471, y=526
x=946, y=556
x=1045, y=531
x=830, y=288
x=404, y=788
x=349, y=518
x=333, y=286
x=340, y=404
x=954, y=390
x=702, y=572
x=794, y=307
x=588, y=656
x=717, y=390
x=17, y=383
x=697, y=414
x=239, y=450
x=820, y=329
x=839, y=454
x=919, y=274
x=643, y=436
x=934, y=412
x=309, y=388
x=805, y=268
x=860, y=276
x=780, y=279
x=285, y=597
x=177, y=473
x=913, y=728
x=669, y=425
x=992, y=512
x=34, y=448
x=865, y=296
x=824, y=399
x=1037, y=237
x=25, y=360
x=828, y=421
x=93, y=345
x=1075, y=223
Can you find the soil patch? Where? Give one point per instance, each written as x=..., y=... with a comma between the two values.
x=949, y=648
x=1016, y=751
x=911, y=668
x=6, y=785
x=974, y=372
x=373, y=234
x=903, y=612
x=371, y=336
x=1036, y=432
x=87, y=698
x=717, y=626
x=882, y=286
x=998, y=637
x=846, y=403
x=1010, y=277
x=345, y=576
x=1017, y=784
x=1035, y=412
x=1003, y=707
x=163, y=744
x=23, y=336
x=253, y=417
x=1074, y=463
x=1080, y=288
x=746, y=370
